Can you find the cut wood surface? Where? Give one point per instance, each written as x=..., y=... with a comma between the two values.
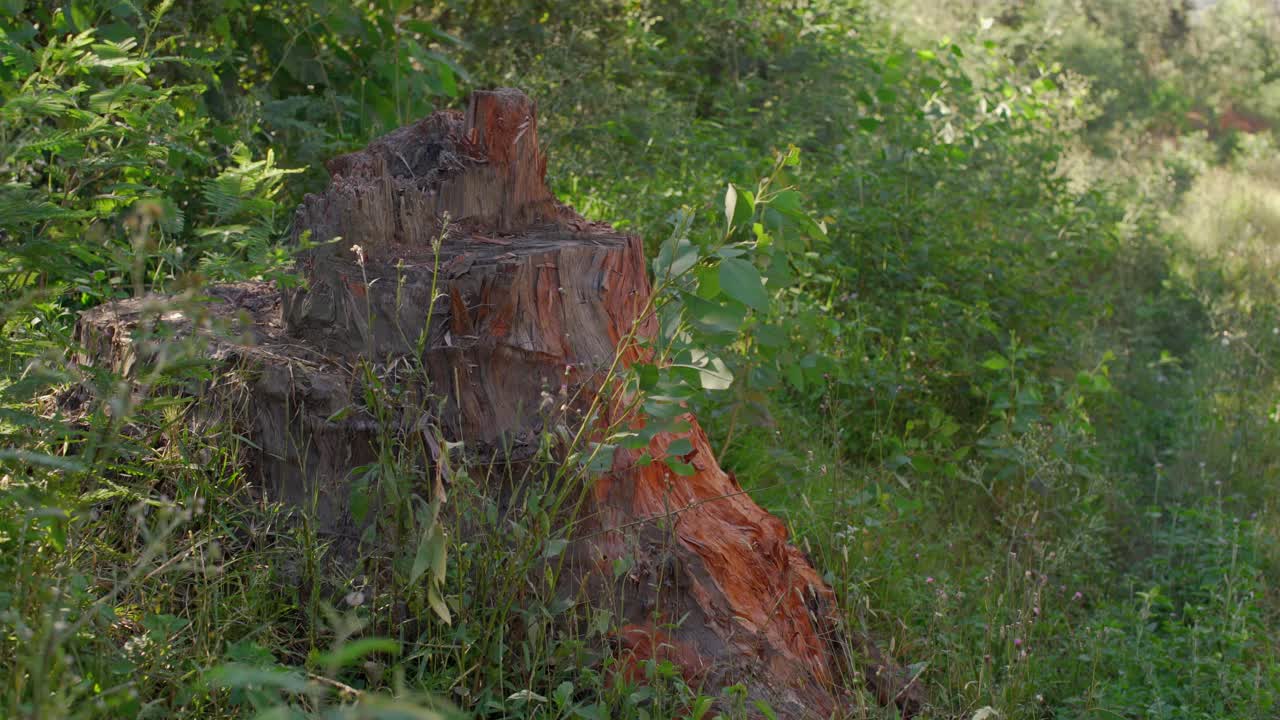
x=442, y=242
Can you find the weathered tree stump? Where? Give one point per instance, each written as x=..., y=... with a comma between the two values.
x=442, y=242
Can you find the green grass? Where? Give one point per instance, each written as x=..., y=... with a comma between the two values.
x=1018, y=401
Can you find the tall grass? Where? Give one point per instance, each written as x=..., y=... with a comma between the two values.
x=1020, y=411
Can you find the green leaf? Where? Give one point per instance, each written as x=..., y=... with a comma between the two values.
x=632, y=440
x=598, y=458
x=430, y=556
x=710, y=317
x=680, y=446
x=359, y=498
x=348, y=653
x=675, y=260
x=995, y=362
x=780, y=272
x=794, y=375
x=222, y=27
x=740, y=280
x=763, y=707
x=680, y=468
x=438, y=605
x=790, y=204
x=677, y=254
x=564, y=693
x=250, y=653
x=708, y=281
x=239, y=675
x=442, y=81
x=698, y=367
x=771, y=336
x=647, y=374
x=554, y=548
x=439, y=555
x=54, y=462
x=763, y=238
x=716, y=375
x=379, y=707
x=430, y=30
x=1043, y=85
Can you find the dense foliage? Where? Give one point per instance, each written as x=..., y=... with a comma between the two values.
x=981, y=298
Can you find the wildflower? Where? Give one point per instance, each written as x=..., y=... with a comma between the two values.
x=1017, y=642
x=1078, y=596
x=929, y=580
x=355, y=598
x=359, y=252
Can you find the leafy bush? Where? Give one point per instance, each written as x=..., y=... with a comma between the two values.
x=989, y=334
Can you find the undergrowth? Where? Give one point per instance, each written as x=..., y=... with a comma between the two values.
x=996, y=335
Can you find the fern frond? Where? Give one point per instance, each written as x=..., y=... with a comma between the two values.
x=21, y=206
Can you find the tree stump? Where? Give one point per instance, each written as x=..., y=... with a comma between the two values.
x=442, y=242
